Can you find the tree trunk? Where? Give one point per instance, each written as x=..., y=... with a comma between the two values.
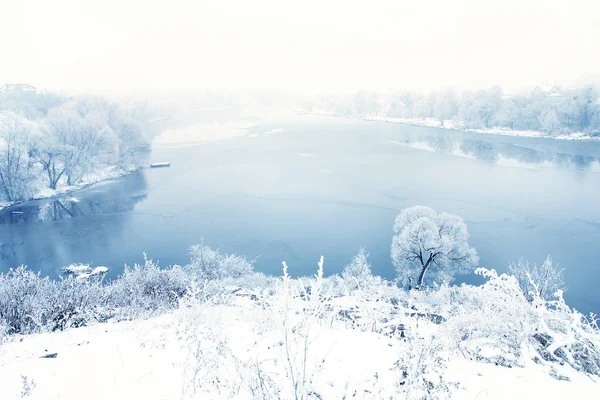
x=423, y=270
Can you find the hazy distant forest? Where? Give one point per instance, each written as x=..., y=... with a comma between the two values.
x=552, y=110
x=49, y=141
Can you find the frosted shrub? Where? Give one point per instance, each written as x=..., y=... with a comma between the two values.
x=29, y=303
x=565, y=335
x=492, y=322
x=207, y=263
x=25, y=300
x=358, y=271
x=300, y=309
x=208, y=364
x=543, y=281
x=145, y=288
x=4, y=331
x=255, y=285
x=76, y=303
x=438, y=302
x=422, y=369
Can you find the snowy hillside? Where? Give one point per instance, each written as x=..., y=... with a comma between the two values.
x=354, y=336
x=238, y=350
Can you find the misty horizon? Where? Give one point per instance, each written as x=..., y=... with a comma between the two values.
x=308, y=48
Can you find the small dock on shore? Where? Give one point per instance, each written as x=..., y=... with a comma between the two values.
x=160, y=164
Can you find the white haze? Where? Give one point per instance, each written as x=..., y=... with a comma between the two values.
x=142, y=46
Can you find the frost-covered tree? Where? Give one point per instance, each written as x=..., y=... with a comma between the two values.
x=359, y=269
x=80, y=141
x=543, y=281
x=430, y=245
x=445, y=106
x=16, y=163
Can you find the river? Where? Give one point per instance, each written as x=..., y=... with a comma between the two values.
x=296, y=189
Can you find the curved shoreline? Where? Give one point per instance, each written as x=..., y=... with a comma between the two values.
x=449, y=125
x=71, y=189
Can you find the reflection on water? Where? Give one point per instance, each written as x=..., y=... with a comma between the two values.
x=113, y=200
x=67, y=207
x=46, y=234
x=501, y=153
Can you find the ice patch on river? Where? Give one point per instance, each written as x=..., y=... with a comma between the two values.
x=272, y=131
x=202, y=133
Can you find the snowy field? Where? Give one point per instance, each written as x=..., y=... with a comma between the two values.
x=353, y=336
x=224, y=351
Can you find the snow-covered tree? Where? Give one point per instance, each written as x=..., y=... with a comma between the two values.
x=430, y=245
x=80, y=141
x=358, y=272
x=16, y=148
x=359, y=268
x=445, y=106
x=543, y=281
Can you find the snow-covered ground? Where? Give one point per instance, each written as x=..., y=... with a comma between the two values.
x=104, y=174
x=449, y=124
x=239, y=349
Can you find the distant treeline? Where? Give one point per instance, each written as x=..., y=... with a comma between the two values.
x=553, y=111
x=47, y=140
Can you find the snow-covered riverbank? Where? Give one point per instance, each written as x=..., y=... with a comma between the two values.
x=249, y=336
x=170, y=138
x=62, y=188
x=450, y=124
x=241, y=348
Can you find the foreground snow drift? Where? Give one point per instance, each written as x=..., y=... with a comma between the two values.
x=219, y=330
x=246, y=348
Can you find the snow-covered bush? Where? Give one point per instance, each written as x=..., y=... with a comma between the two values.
x=4, y=331
x=422, y=366
x=25, y=300
x=543, y=281
x=497, y=323
x=254, y=285
x=30, y=303
x=208, y=364
x=565, y=335
x=491, y=322
x=358, y=271
x=77, y=302
x=299, y=310
x=145, y=288
x=207, y=263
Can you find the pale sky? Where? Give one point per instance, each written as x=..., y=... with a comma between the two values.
x=146, y=46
